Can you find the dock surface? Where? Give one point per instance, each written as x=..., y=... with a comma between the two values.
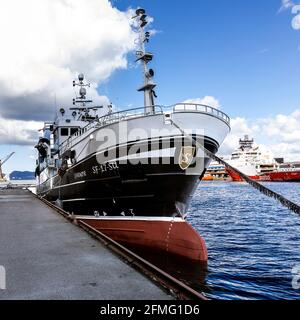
x=47, y=257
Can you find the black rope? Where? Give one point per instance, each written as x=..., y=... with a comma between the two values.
x=258, y=186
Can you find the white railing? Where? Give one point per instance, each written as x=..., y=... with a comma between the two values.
x=140, y=112
x=194, y=107
x=106, y=120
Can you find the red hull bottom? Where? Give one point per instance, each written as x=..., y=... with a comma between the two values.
x=173, y=236
x=285, y=176
x=236, y=177
x=272, y=177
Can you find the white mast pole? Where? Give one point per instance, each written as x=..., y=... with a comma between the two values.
x=145, y=57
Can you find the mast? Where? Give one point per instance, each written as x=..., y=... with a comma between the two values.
x=83, y=110
x=145, y=57
x=82, y=92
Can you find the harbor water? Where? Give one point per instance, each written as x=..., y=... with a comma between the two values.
x=253, y=241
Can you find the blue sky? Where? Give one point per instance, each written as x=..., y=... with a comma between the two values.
x=242, y=52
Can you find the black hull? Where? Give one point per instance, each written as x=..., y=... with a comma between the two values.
x=124, y=189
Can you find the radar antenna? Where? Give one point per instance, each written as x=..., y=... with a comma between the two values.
x=83, y=110
x=82, y=92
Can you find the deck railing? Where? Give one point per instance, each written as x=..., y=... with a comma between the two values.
x=140, y=112
x=107, y=119
x=194, y=107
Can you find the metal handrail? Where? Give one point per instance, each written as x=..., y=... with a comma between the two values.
x=192, y=107
x=109, y=119
x=137, y=112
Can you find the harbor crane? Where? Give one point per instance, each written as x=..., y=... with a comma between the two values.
x=2, y=163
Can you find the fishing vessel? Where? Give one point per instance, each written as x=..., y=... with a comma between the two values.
x=131, y=174
x=261, y=165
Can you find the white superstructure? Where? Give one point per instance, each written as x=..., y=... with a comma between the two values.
x=251, y=159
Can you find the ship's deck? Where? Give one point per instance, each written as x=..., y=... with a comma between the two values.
x=46, y=257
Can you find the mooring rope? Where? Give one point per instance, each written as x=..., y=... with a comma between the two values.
x=263, y=189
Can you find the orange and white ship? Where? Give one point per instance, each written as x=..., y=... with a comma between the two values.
x=260, y=164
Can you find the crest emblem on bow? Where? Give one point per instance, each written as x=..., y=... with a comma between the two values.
x=186, y=157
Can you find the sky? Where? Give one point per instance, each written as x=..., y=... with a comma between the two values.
x=242, y=56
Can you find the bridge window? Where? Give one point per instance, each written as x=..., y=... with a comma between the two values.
x=64, y=131
x=74, y=130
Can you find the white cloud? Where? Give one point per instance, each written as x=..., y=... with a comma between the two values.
x=295, y=9
x=285, y=128
x=239, y=128
x=207, y=100
x=286, y=4
x=296, y=19
x=19, y=132
x=46, y=43
x=279, y=134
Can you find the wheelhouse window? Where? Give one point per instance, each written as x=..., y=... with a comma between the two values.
x=74, y=130
x=284, y=166
x=64, y=132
